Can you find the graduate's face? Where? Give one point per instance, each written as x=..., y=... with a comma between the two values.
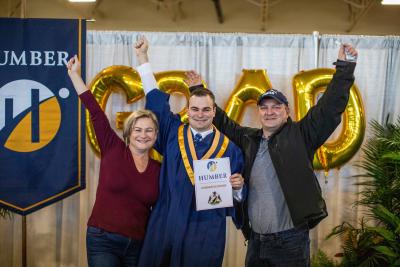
x=143, y=135
x=273, y=114
x=201, y=112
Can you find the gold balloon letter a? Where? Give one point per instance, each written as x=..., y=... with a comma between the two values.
x=307, y=86
x=251, y=85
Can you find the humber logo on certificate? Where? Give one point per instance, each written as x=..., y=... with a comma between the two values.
x=212, y=186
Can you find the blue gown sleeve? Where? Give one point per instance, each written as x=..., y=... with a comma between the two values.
x=158, y=102
x=236, y=159
x=237, y=165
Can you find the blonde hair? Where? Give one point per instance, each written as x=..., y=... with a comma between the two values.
x=133, y=118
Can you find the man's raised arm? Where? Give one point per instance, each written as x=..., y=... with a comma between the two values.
x=144, y=68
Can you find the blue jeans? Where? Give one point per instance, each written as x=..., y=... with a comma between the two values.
x=105, y=249
x=290, y=248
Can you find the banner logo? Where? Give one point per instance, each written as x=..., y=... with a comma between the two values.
x=32, y=117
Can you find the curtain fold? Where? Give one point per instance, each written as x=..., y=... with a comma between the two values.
x=56, y=234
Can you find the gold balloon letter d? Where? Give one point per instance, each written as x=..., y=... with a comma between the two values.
x=307, y=86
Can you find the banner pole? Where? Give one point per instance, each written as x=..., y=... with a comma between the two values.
x=23, y=15
x=24, y=241
x=23, y=9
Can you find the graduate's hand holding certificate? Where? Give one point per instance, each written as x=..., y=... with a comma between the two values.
x=236, y=181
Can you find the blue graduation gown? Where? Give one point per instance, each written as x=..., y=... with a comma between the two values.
x=178, y=235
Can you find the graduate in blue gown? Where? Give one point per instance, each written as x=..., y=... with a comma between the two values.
x=177, y=234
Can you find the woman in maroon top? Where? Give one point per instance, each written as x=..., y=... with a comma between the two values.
x=128, y=182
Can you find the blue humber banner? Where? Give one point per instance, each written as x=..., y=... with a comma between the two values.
x=42, y=135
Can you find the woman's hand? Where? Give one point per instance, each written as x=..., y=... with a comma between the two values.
x=74, y=66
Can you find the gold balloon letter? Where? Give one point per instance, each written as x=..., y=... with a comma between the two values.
x=102, y=85
x=251, y=85
x=174, y=82
x=127, y=79
x=307, y=86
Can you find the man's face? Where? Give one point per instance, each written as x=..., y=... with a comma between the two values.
x=201, y=112
x=273, y=114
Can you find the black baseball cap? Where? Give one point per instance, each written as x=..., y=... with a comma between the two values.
x=275, y=94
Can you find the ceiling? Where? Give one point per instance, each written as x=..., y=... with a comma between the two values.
x=262, y=16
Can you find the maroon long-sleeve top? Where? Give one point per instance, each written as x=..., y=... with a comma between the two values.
x=124, y=195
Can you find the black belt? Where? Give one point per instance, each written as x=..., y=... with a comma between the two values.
x=257, y=236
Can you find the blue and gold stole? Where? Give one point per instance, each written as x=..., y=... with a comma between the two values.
x=185, y=140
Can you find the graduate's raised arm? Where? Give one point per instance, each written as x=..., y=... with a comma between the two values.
x=144, y=68
x=156, y=100
x=141, y=48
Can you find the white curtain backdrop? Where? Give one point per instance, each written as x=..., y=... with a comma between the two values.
x=56, y=234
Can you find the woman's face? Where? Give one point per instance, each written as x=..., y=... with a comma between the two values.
x=143, y=135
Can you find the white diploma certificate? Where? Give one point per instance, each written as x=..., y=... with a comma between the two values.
x=212, y=186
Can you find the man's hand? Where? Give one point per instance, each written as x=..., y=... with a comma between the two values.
x=74, y=66
x=192, y=78
x=236, y=181
x=141, y=48
x=347, y=48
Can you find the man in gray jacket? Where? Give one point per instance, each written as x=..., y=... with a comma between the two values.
x=284, y=199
